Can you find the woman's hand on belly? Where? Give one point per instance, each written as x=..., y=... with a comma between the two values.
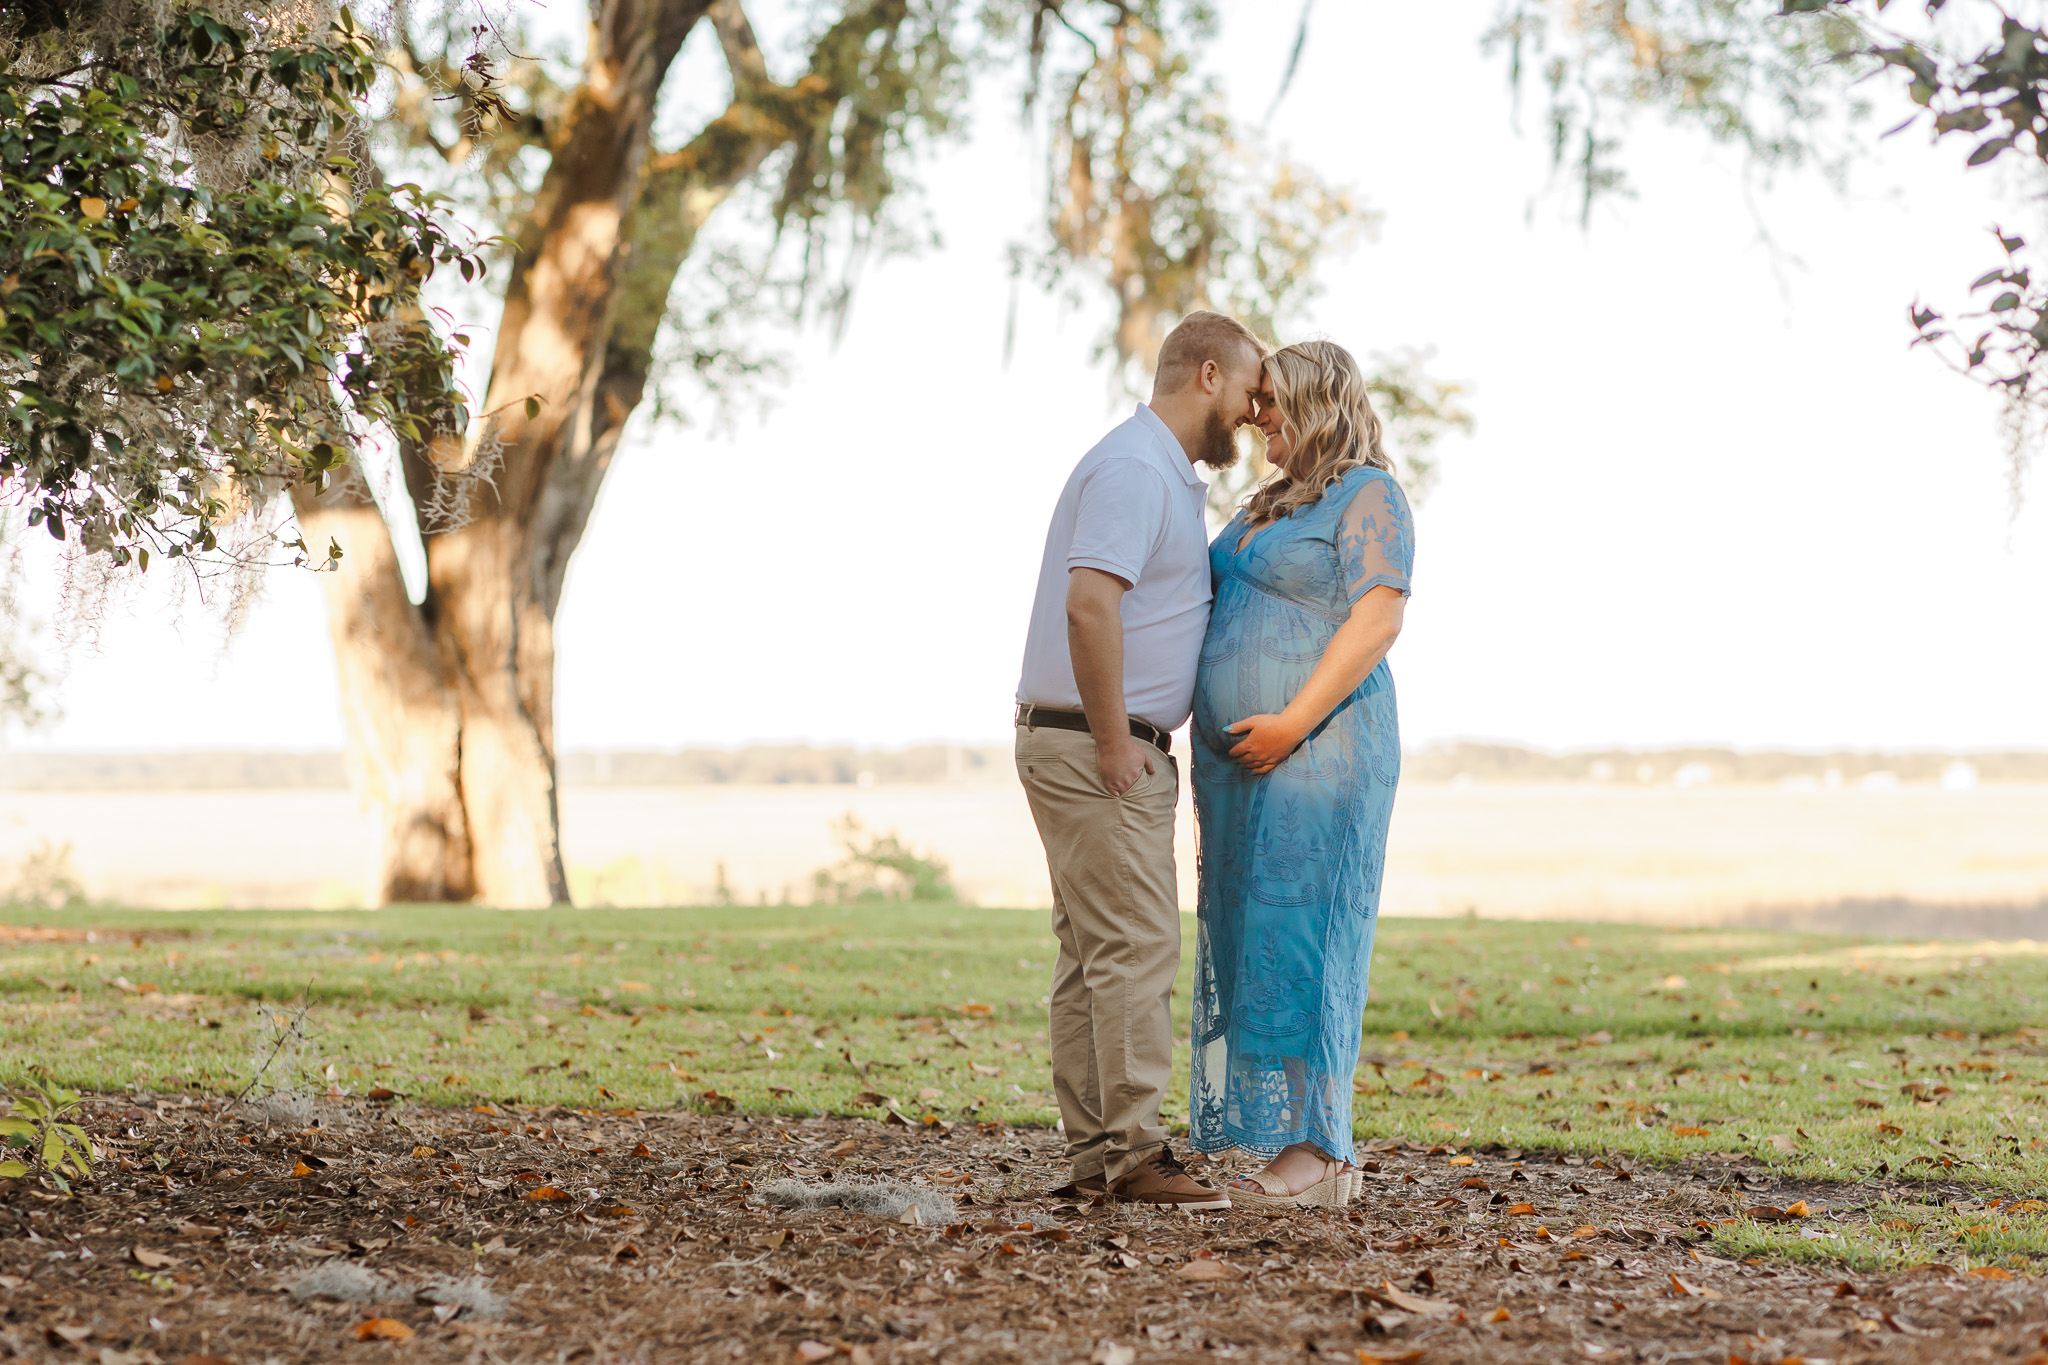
x=1266, y=742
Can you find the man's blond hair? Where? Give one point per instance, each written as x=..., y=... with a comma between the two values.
x=1201, y=337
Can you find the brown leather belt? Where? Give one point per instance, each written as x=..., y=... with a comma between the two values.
x=1032, y=716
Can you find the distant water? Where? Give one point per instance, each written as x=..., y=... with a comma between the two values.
x=1908, y=861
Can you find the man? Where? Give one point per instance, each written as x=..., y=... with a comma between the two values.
x=1109, y=674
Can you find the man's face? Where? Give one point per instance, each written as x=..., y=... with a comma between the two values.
x=1236, y=405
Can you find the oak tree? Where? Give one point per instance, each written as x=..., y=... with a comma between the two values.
x=1158, y=195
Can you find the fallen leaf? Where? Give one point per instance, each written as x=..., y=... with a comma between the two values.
x=380, y=1093
x=383, y=1329
x=1990, y=1272
x=811, y=1351
x=868, y=1099
x=1782, y=1143
x=1798, y=1209
x=155, y=1260
x=614, y=1211
x=1368, y=1356
x=929, y=1094
x=66, y=1333
x=643, y=1150
x=1459, y=1161
x=1409, y=1303
x=546, y=1194
x=1109, y=1353
x=1693, y=1132
x=911, y=1217
x=1205, y=1269
x=301, y=1169
x=781, y=1090
x=722, y=1104
x=93, y=208
x=1499, y=1315
x=423, y=1151
x=1891, y=1130
x=1476, y=1182
x=1521, y=1208
x=1691, y=1291
x=846, y=1148
x=1765, y=1213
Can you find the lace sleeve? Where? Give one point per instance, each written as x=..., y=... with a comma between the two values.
x=1376, y=539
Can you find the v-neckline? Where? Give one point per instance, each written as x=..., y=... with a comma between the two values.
x=1244, y=541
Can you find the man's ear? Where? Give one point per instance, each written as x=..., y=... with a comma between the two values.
x=1210, y=376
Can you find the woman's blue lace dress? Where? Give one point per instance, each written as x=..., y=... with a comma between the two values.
x=1290, y=863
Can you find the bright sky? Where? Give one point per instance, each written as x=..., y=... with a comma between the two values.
x=1711, y=497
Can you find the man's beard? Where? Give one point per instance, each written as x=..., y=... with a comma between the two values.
x=1219, y=442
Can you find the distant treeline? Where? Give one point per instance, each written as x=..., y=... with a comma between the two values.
x=802, y=765
x=1511, y=763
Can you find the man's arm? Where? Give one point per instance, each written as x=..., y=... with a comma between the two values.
x=1095, y=639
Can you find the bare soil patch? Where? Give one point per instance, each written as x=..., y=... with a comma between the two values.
x=552, y=1235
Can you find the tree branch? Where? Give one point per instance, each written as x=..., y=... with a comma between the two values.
x=743, y=57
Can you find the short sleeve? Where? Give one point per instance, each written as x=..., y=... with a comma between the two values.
x=1119, y=518
x=1376, y=540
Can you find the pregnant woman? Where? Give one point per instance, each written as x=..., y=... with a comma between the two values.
x=1296, y=753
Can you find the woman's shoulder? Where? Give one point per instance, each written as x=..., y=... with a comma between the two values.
x=1361, y=475
x=1349, y=485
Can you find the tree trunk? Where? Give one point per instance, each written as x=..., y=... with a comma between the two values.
x=451, y=704
x=497, y=581
x=404, y=726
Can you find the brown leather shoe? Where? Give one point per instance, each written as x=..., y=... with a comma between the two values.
x=1087, y=1187
x=1161, y=1180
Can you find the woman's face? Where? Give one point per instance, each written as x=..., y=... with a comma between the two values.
x=1270, y=423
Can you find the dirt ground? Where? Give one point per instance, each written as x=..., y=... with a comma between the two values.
x=626, y=1237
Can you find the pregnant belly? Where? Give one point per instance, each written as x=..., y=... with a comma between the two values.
x=1258, y=654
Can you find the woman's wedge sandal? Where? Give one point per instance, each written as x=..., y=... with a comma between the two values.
x=1354, y=1181
x=1328, y=1193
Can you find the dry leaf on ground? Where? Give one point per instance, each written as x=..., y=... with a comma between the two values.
x=383, y=1329
x=1409, y=1303
x=1205, y=1268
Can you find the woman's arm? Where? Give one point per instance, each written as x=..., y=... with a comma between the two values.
x=1354, y=652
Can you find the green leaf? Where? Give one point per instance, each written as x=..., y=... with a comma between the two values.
x=12, y=1170
x=12, y=1127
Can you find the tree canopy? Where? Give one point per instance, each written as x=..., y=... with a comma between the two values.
x=1789, y=81
x=206, y=290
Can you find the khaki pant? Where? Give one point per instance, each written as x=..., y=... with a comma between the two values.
x=1116, y=915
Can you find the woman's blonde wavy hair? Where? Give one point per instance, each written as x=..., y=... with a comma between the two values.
x=1329, y=422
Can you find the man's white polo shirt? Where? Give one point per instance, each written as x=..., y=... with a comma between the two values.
x=1132, y=508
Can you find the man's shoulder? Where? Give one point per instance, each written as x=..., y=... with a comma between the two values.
x=1124, y=449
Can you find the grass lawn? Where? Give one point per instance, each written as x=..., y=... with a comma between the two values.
x=1830, y=1059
